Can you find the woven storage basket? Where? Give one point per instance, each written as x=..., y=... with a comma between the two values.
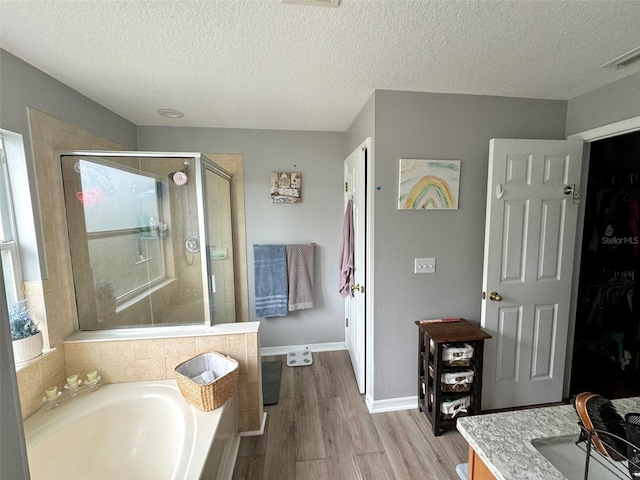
x=210, y=396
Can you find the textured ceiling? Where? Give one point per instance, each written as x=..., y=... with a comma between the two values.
x=265, y=64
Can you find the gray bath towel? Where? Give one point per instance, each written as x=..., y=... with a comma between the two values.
x=300, y=266
x=271, y=286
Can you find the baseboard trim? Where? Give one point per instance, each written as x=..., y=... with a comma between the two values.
x=391, y=404
x=314, y=347
x=253, y=433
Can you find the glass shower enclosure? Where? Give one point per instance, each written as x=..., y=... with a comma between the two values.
x=151, y=239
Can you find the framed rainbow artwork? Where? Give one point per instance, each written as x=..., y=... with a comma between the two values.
x=428, y=184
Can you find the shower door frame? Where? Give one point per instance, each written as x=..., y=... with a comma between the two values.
x=207, y=164
x=198, y=159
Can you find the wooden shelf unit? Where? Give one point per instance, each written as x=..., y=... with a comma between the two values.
x=430, y=394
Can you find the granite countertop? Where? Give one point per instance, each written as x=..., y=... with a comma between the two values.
x=503, y=440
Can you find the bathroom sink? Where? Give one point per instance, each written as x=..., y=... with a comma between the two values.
x=569, y=458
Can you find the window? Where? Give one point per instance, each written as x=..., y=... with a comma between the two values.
x=11, y=269
x=121, y=207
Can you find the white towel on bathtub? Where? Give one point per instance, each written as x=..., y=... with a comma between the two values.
x=205, y=377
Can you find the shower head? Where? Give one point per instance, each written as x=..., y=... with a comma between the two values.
x=179, y=178
x=182, y=177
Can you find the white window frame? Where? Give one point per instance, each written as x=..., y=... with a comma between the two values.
x=9, y=249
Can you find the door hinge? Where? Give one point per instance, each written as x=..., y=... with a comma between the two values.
x=346, y=322
x=346, y=186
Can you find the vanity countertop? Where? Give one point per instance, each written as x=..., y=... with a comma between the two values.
x=503, y=440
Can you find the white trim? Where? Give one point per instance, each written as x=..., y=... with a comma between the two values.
x=369, y=401
x=9, y=193
x=126, y=153
x=369, y=306
x=612, y=130
x=253, y=433
x=364, y=159
x=314, y=347
x=606, y=131
x=391, y=404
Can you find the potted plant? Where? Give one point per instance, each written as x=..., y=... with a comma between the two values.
x=25, y=335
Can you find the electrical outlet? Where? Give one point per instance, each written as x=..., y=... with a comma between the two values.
x=425, y=265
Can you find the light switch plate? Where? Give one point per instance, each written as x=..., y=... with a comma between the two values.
x=425, y=265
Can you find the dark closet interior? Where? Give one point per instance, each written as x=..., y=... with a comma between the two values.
x=606, y=355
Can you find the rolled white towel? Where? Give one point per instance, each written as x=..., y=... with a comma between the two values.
x=205, y=377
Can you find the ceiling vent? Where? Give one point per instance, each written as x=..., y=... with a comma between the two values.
x=314, y=3
x=623, y=60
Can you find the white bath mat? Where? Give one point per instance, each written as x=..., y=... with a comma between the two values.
x=299, y=359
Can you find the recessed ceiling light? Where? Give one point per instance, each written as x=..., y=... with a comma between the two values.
x=170, y=113
x=623, y=60
x=314, y=3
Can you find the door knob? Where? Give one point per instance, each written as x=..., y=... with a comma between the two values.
x=495, y=297
x=357, y=288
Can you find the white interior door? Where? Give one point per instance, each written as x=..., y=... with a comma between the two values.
x=355, y=189
x=528, y=264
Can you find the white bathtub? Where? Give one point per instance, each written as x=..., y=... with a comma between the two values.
x=141, y=430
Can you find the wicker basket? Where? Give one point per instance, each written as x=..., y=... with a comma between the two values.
x=212, y=395
x=456, y=381
x=457, y=354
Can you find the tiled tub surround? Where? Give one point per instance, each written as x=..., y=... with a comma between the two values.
x=503, y=440
x=53, y=298
x=153, y=354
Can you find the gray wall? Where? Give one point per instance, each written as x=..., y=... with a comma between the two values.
x=318, y=156
x=13, y=451
x=614, y=102
x=23, y=86
x=363, y=126
x=436, y=126
x=403, y=124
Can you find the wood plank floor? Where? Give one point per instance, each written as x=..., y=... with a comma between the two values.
x=321, y=430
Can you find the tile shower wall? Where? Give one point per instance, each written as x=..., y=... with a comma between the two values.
x=54, y=298
x=156, y=359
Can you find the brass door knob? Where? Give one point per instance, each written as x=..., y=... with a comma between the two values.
x=495, y=297
x=357, y=288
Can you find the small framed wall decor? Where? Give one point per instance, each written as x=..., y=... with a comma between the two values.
x=428, y=184
x=285, y=187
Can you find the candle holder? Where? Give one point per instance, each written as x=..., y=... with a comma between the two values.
x=94, y=381
x=72, y=385
x=51, y=398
